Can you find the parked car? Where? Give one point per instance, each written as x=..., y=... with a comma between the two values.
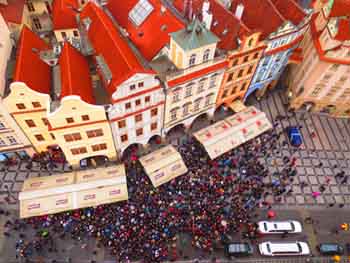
x=238, y=249
x=294, y=136
x=279, y=227
x=296, y=248
x=331, y=249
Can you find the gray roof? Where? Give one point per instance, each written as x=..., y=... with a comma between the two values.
x=195, y=35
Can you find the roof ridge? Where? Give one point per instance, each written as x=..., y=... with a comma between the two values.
x=66, y=48
x=112, y=35
x=277, y=11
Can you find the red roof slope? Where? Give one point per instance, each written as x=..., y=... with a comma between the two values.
x=340, y=8
x=224, y=25
x=153, y=34
x=30, y=69
x=268, y=15
x=63, y=16
x=13, y=12
x=343, y=29
x=107, y=41
x=75, y=74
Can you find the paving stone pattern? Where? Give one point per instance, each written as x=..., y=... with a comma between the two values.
x=331, y=147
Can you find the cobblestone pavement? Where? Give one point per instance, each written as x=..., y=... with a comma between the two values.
x=330, y=146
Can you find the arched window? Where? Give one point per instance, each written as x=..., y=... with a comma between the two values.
x=206, y=55
x=192, y=60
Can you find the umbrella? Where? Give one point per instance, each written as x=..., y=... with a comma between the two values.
x=316, y=194
x=336, y=258
x=271, y=214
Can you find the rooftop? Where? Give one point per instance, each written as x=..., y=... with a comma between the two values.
x=75, y=74
x=13, y=11
x=339, y=8
x=194, y=36
x=64, y=14
x=28, y=58
x=152, y=34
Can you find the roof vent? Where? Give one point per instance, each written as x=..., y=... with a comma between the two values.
x=162, y=9
x=164, y=27
x=239, y=11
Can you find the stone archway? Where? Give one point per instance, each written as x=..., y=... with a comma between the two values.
x=132, y=152
x=200, y=122
x=222, y=112
x=176, y=134
x=94, y=161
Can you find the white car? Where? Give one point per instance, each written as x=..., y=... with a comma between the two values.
x=279, y=227
x=296, y=248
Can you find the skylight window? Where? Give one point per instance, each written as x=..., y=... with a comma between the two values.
x=140, y=12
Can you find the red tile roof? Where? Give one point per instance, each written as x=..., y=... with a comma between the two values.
x=153, y=34
x=75, y=74
x=343, y=29
x=340, y=8
x=30, y=69
x=13, y=12
x=108, y=42
x=268, y=15
x=63, y=16
x=224, y=25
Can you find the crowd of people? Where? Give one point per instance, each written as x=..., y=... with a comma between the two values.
x=213, y=200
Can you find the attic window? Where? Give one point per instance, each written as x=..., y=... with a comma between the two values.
x=140, y=12
x=215, y=23
x=164, y=27
x=140, y=34
x=225, y=31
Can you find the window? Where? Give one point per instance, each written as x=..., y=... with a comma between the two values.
x=11, y=139
x=64, y=35
x=72, y=137
x=153, y=126
x=94, y=133
x=154, y=112
x=30, y=7
x=176, y=96
x=132, y=87
x=45, y=121
x=140, y=84
x=230, y=77
x=250, y=42
x=140, y=12
x=39, y=137
x=20, y=106
x=225, y=93
x=334, y=67
x=188, y=91
x=138, y=102
x=138, y=118
x=52, y=136
x=234, y=90
x=124, y=138
x=212, y=81
x=36, y=22
x=235, y=62
x=30, y=123
x=250, y=69
x=243, y=86
x=85, y=117
x=196, y=104
x=139, y=132
x=173, y=114
x=121, y=124
x=36, y=104
x=128, y=106
x=75, y=33
x=186, y=109
x=2, y=125
x=2, y=142
x=208, y=99
x=240, y=73
x=201, y=86
x=192, y=61
x=256, y=55
x=147, y=99
x=245, y=59
x=206, y=55
x=327, y=77
x=99, y=147
x=69, y=120
x=79, y=150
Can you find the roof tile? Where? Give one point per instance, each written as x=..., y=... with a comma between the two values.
x=63, y=14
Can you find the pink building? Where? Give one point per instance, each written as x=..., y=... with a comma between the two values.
x=321, y=82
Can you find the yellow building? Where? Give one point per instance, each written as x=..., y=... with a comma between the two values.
x=321, y=82
x=192, y=75
x=29, y=97
x=81, y=128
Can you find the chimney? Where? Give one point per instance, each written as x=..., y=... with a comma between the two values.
x=239, y=11
x=206, y=15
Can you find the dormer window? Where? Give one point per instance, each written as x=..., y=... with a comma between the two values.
x=192, y=61
x=140, y=12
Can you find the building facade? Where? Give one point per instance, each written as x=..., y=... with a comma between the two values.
x=134, y=91
x=80, y=127
x=192, y=75
x=321, y=82
x=39, y=13
x=282, y=32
